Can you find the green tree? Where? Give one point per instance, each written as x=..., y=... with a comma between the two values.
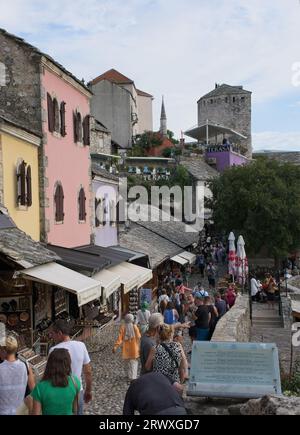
x=262, y=202
x=171, y=137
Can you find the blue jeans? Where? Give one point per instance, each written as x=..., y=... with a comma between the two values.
x=81, y=403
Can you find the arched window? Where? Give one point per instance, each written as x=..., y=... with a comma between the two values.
x=77, y=124
x=82, y=205
x=56, y=115
x=59, y=203
x=29, y=187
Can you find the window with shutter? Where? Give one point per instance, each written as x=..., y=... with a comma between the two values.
x=59, y=204
x=22, y=184
x=29, y=187
x=56, y=115
x=63, y=131
x=75, y=129
x=86, y=130
x=79, y=127
x=82, y=206
x=50, y=113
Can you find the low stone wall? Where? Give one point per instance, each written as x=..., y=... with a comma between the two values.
x=293, y=285
x=235, y=326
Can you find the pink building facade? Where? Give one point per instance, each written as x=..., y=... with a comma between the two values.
x=67, y=204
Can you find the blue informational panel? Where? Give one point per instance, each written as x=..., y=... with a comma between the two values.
x=146, y=295
x=234, y=370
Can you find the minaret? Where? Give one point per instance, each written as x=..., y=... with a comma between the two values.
x=163, y=120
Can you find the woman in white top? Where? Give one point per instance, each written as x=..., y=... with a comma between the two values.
x=142, y=318
x=13, y=379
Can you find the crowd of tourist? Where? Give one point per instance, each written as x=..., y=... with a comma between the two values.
x=153, y=342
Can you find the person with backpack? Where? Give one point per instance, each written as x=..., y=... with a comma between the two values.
x=168, y=357
x=171, y=316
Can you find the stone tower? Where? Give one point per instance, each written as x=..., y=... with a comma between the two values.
x=163, y=120
x=229, y=106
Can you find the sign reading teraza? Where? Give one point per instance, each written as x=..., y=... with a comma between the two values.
x=234, y=370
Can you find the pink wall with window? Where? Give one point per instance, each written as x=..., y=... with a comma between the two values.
x=67, y=163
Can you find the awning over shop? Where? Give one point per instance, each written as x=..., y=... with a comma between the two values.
x=132, y=276
x=110, y=282
x=145, y=274
x=85, y=288
x=179, y=260
x=188, y=256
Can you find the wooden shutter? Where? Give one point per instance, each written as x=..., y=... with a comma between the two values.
x=63, y=119
x=56, y=115
x=76, y=138
x=86, y=130
x=23, y=183
x=59, y=204
x=50, y=113
x=79, y=127
x=82, y=205
x=29, y=187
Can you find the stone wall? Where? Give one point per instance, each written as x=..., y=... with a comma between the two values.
x=224, y=110
x=235, y=326
x=100, y=140
x=20, y=98
x=111, y=105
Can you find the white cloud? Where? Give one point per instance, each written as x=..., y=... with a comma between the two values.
x=178, y=48
x=270, y=140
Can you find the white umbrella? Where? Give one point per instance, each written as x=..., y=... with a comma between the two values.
x=242, y=269
x=231, y=255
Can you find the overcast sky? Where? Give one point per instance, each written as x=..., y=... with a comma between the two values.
x=179, y=49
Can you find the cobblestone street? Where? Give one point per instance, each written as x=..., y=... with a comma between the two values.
x=109, y=376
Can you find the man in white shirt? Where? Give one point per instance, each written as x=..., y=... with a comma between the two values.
x=255, y=290
x=79, y=357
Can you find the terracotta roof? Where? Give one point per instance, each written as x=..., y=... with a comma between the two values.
x=143, y=94
x=226, y=90
x=113, y=76
x=40, y=53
